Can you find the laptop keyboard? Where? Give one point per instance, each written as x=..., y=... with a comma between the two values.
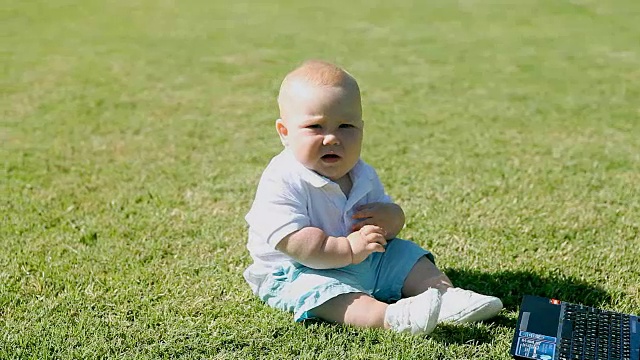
x=594, y=334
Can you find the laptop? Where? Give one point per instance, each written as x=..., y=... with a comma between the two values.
x=550, y=329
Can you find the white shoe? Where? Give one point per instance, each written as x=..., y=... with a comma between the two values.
x=461, y=306
x=417, y=314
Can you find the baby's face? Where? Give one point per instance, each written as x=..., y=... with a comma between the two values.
x=323, y=128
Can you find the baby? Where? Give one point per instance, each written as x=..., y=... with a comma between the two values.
x=322, y=230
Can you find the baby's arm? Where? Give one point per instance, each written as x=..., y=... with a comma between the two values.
x=312, y=247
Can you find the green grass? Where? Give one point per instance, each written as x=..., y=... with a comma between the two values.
x=134, y=132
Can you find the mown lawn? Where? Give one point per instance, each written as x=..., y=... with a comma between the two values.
x=134, y=132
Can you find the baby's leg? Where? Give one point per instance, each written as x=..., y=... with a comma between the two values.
x=458, y=305
x=416, y=314
x=356, y=309
x=425, y=275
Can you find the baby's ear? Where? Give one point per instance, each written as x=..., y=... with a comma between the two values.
x=282, y=130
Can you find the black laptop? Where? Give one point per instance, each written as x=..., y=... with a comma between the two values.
x=550, y=329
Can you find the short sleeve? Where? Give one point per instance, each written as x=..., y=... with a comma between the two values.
x=377, y=193
x=278, y=210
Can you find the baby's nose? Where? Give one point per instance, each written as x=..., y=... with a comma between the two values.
x=331, y=139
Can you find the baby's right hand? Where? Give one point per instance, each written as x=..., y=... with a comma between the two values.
x=370, y=238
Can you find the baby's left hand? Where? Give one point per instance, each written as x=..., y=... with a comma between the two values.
x=385, y=215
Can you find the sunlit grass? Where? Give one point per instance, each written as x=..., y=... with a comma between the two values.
x=134, y=132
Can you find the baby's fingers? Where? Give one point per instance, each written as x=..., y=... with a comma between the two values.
x=372, y=229
x=374, y=247
x=361, y=214
x=359, y=225
x=376, y=239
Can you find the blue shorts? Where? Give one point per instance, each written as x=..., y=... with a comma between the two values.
x=299, y=289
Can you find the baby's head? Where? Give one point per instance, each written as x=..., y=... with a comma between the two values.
x=321, y=118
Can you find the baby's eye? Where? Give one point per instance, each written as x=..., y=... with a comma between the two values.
x=313, y=126
x=346, y=126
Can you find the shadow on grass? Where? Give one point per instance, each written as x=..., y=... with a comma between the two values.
x=444, y=333
x=448, y=334
x=511, y=286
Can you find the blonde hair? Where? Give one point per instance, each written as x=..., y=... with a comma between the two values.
x=317, y=73
x=321, y=73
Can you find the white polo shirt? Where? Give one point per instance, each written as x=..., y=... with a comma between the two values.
x=291, y=197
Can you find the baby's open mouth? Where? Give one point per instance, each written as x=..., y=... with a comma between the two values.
x=330, y=157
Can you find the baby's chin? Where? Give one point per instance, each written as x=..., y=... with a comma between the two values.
x=330, y=170
x=332, y=176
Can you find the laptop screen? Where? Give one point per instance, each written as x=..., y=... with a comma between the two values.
x=537, y=329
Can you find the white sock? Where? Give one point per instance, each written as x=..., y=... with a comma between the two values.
x=464, y=306
x=417, y=314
